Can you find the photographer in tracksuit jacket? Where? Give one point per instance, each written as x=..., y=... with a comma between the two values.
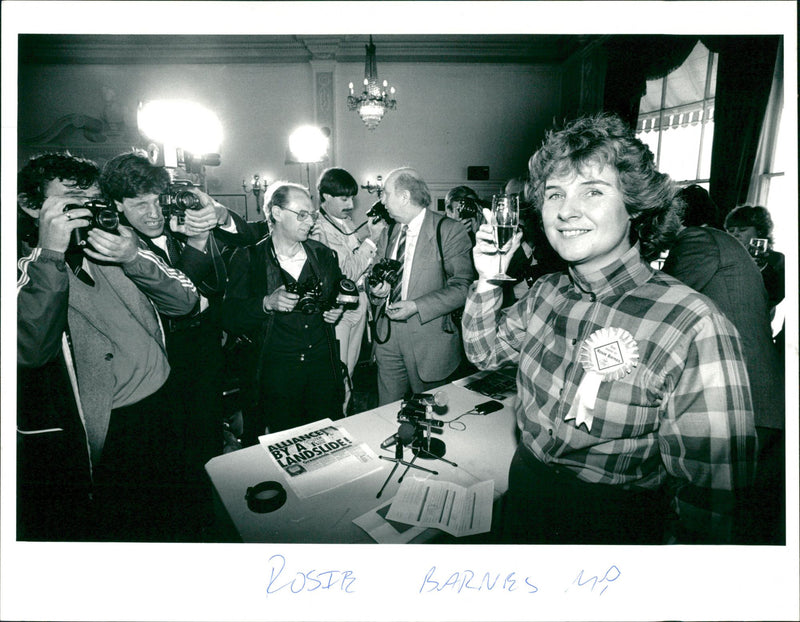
x=189, y=230
x=93, y=445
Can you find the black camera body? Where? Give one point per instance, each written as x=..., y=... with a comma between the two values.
x=312, y=298
x=385, y=270
x=177, y=198
x=468, y=208
x=310, y=293
x=104, y=217
x=378, y=212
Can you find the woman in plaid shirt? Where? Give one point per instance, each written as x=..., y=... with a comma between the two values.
x=633, y=401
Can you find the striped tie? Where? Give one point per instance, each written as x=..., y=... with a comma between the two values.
x=400, y=255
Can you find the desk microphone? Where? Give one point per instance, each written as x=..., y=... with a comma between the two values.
x=404, y=435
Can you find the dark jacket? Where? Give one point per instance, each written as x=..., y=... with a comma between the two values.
x=717, y=265
x=255, y=273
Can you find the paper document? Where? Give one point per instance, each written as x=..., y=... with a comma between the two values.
x=319, y=456
x=386, y=531
x=452, y=508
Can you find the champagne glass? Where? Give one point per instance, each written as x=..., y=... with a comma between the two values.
x=758, y=248
x=505, y=219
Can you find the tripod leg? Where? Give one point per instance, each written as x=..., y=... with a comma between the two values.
x=408, y=466
x=380, y=492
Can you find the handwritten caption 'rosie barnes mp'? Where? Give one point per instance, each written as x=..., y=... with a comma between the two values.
x=285, y=581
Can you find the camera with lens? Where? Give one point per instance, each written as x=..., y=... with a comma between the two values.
x=104, y=217
x=468, y=208
x=347, y=294
x=378, y=212
x=177, y=198
x=310, y=296
x=385, y=270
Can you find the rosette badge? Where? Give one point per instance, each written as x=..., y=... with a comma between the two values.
x=610, y=352
x=607, y=354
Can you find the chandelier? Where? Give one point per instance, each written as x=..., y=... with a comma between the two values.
x=374, y=101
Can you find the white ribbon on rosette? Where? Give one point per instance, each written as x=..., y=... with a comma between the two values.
x=607, y=354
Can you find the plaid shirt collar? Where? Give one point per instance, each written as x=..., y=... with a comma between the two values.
x=624, y=274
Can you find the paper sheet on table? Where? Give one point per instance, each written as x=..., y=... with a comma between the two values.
x=385, y=531
x=452, y=508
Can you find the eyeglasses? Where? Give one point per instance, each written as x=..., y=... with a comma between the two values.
x=302, y=214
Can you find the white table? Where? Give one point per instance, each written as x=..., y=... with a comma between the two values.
x=483, y=451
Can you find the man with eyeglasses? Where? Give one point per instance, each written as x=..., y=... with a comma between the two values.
x=279, y=296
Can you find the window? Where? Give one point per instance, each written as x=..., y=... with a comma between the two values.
x=676, y=118
x=769, y=185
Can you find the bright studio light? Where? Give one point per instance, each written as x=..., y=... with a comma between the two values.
x=182, y=123
x=308, y=144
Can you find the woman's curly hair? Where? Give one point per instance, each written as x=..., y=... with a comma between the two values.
x=755, y=216
x=605, y=139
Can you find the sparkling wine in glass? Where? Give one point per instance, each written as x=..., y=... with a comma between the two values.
x=505, y=220
x=759, y=248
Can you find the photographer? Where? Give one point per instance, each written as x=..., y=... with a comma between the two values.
x=198, y=232
x=336, y=189
x=94, y=451
x=295, y=373
x=463, y=204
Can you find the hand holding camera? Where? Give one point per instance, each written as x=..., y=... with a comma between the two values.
x=383, y=277
x=379, y=212
x=191, y=212
x=121, y=247
x=57, y=223
x=177, y=199
x=308, y=297
x=280, y=300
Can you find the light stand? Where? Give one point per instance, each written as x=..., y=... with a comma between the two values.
x=258, y=187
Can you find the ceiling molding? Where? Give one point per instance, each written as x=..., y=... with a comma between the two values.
x=231, y=49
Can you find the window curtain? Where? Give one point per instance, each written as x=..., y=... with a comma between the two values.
x=632, y=60
x=765, y=156
x=744, y=80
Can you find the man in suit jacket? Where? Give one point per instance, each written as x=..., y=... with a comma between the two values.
x=715, y=264
x=417, y=344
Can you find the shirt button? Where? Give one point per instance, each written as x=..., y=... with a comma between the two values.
x=309, y=346
x=305, y=326
x=302, y=357
x=108, y=356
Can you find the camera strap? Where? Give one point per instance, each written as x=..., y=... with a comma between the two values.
x=337, y=227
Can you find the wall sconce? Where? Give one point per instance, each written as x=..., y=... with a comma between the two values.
x=258, y=187
x=374, y=188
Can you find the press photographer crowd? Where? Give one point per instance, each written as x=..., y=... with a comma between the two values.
x=649, y=402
